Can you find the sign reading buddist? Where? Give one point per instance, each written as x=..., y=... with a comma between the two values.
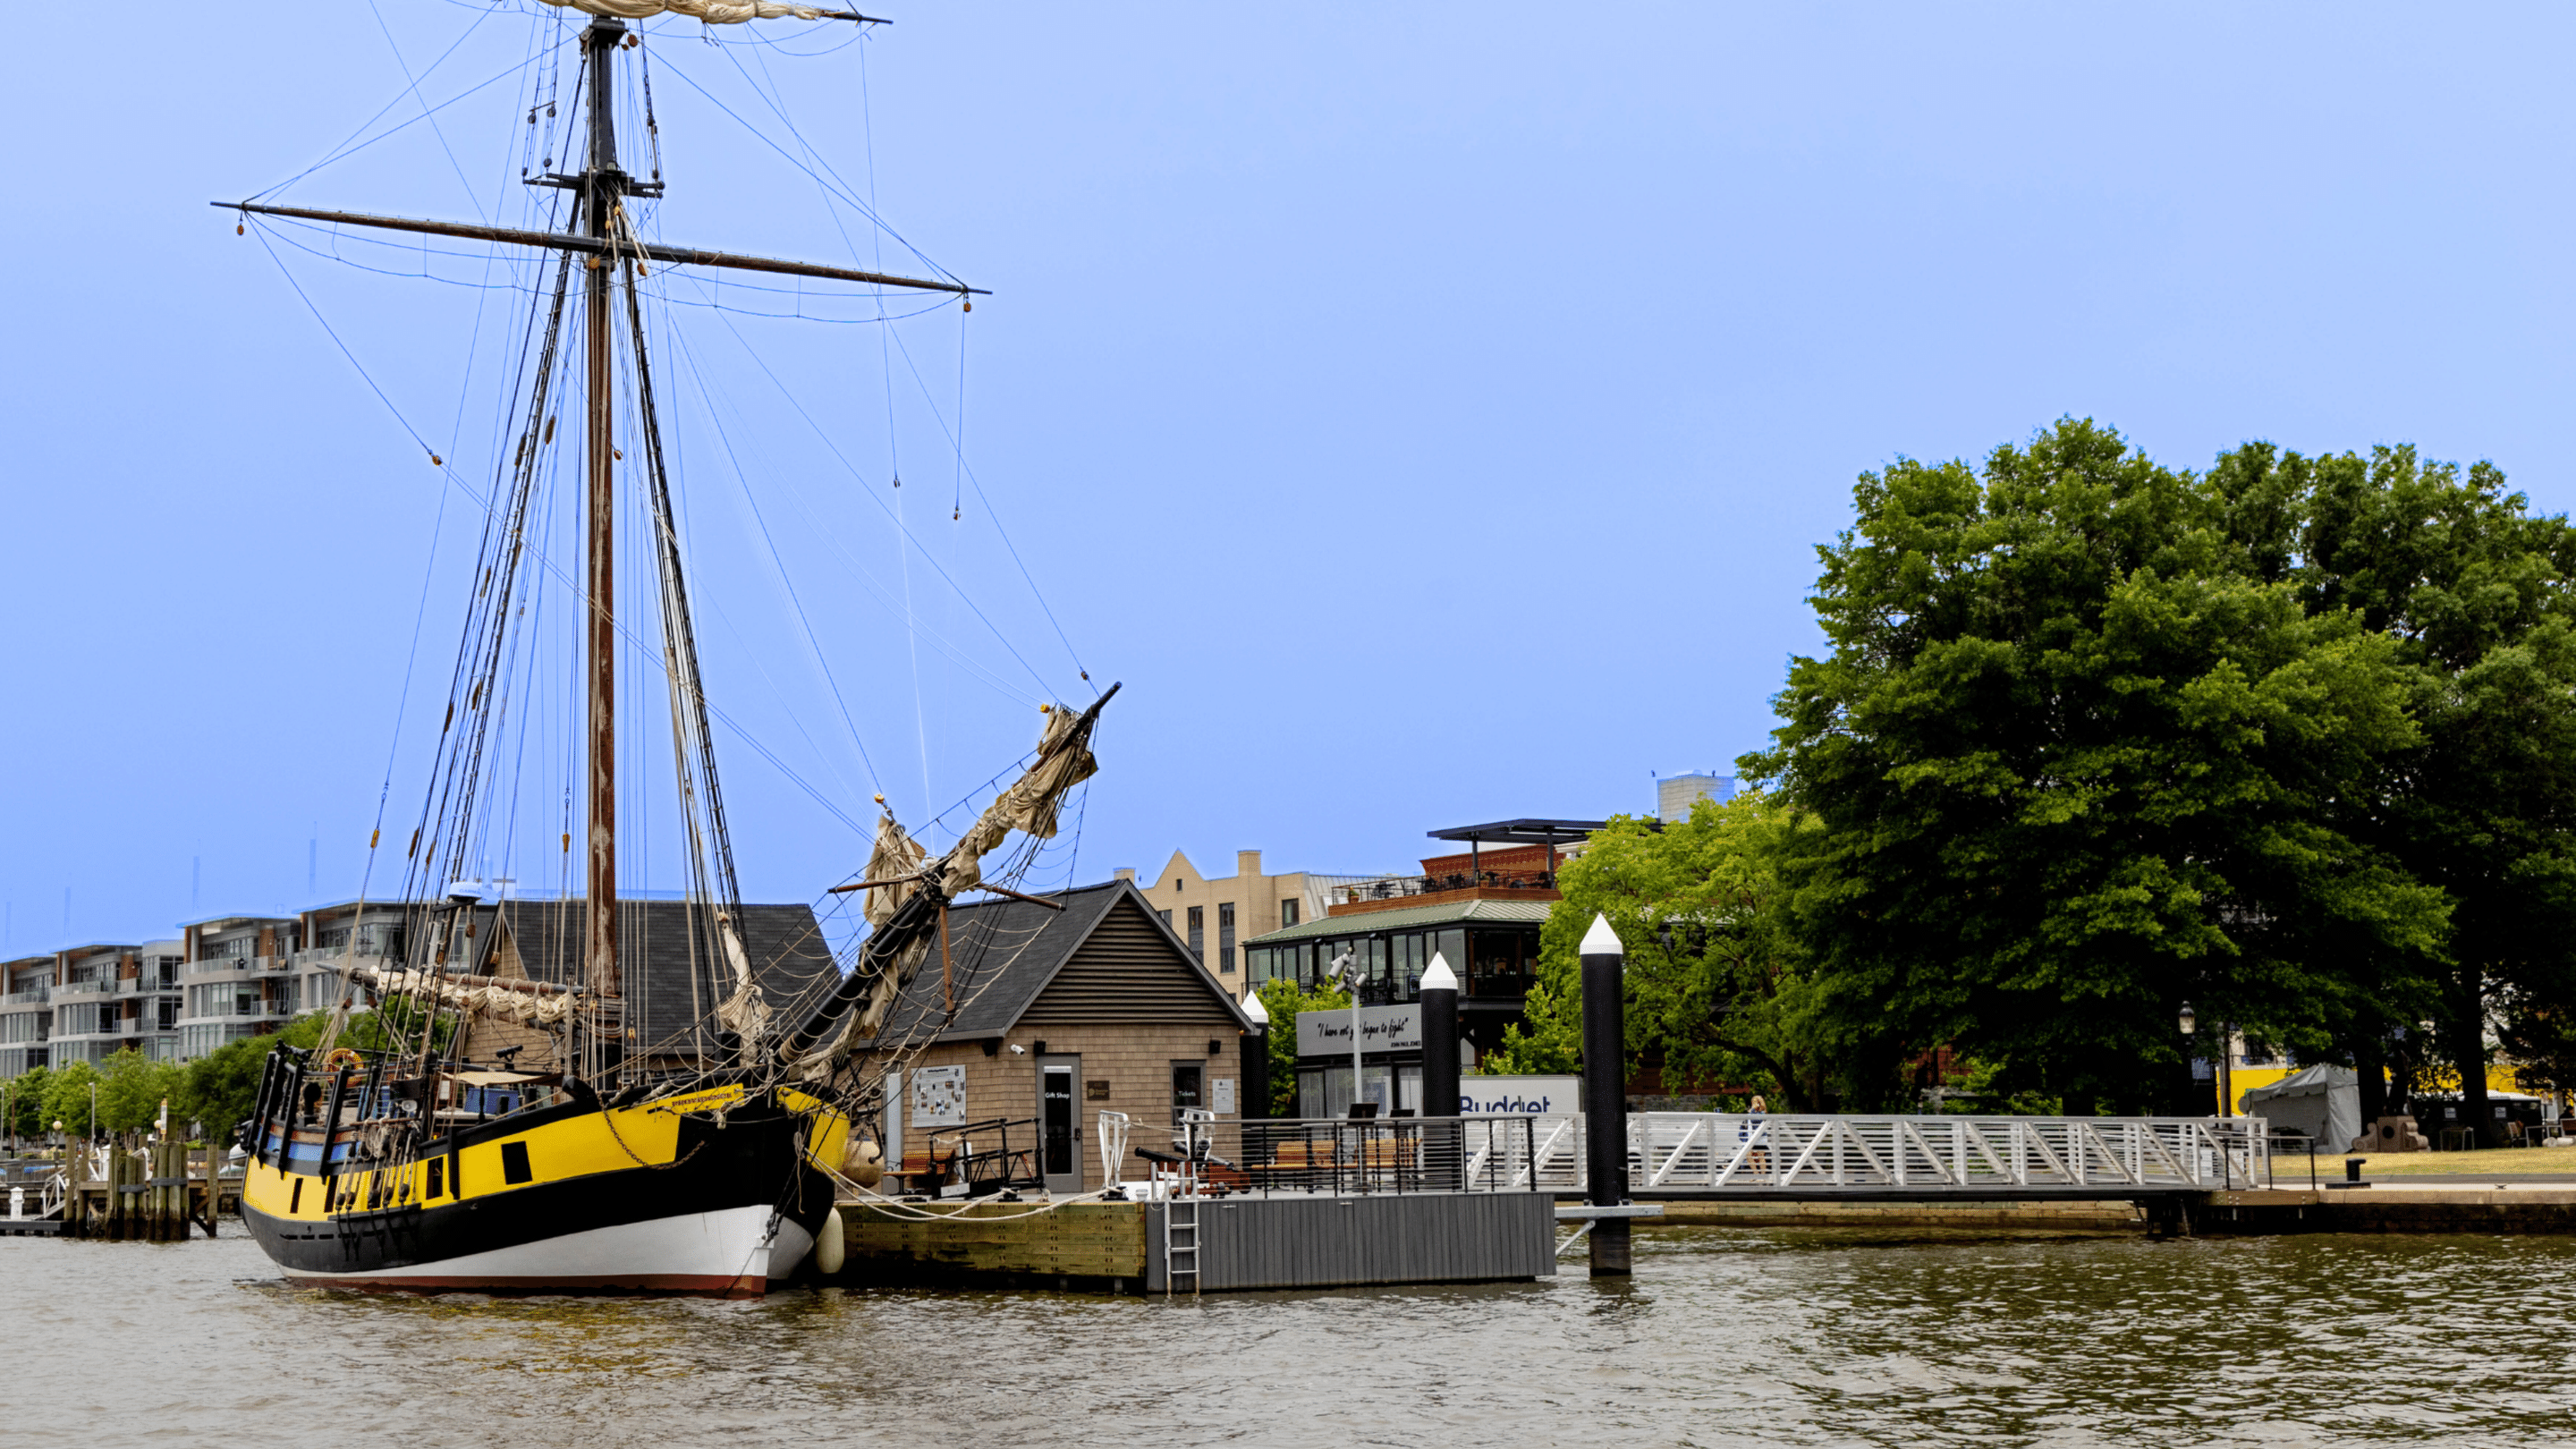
x=1526, y=1096
x=1382, y=1029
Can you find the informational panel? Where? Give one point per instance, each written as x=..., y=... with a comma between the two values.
x=1532, y=1096
x=939, y=1096
x=1221, y=1096
x=1382, y=1029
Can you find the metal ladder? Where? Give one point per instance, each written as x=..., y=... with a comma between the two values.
x=1181, y=1244
x=1179, y=1190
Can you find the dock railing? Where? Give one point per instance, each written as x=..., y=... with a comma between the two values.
x=1916, y=1156
x=1343, y=1156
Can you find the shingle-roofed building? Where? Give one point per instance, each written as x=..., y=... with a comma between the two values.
x=669, y=986
x=1107, y=1009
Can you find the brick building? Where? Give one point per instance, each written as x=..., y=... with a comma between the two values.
x=1109, y=1011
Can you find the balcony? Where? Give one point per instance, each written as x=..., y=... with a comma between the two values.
x=134, y=1030
x=1400, y=891
x=37, y=996
x=332, y=958
x=85, y=988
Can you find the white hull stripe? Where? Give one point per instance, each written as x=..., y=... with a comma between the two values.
x=728, y=1251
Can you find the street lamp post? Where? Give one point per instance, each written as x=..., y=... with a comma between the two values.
x=2227, y=1069
x=2189, y=1022
x=1347, y=974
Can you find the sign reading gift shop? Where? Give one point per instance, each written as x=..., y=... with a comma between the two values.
x=1382, y=1029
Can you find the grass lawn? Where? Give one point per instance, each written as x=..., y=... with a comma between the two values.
x=2399, y=1164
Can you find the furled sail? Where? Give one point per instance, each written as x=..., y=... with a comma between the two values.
x=713, y=12
x=896, y=861
x=528, y=1001
x=907, y=916
x=743, y=1012
x=1064, y=761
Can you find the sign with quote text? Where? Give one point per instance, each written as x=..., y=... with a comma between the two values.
x=1382, y=1029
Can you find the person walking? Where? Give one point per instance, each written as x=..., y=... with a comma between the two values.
x=1759, y=1159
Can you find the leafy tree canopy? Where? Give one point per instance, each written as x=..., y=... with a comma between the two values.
x=1717, y=986
x=2081, y=752
x=2473, y=592
x=67, y=1098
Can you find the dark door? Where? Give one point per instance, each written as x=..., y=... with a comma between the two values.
x=1059, y=1123
x=1188, y=1079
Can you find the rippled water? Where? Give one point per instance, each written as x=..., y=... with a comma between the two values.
x=1723, y=1337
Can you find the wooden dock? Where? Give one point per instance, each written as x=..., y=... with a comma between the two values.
x=149, y=1192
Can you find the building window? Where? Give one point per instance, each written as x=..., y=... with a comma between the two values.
x=1165, y=917
x=1198, y=933
x=1287, y=914
x=169, y=1013
x=1225, y=937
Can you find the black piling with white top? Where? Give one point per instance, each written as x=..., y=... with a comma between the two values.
x=1605, y=1092
x=1439, y=996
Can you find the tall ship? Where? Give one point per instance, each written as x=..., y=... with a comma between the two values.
x=519, y=1095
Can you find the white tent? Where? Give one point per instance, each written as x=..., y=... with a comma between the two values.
x=2324, y=1103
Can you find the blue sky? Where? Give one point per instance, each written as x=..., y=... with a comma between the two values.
x=1428, y=412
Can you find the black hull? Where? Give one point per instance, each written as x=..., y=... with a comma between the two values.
x=496, y=1241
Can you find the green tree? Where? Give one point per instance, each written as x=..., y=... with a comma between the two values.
x=25, y=1095
x=222, y=1086
x=2473, y=591
x=132, y=1088
x=1716, y=984
x=67, y=1098
x=1284, y=1001
x=2081, y=752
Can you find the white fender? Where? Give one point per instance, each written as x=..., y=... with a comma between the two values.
x=831, y=1244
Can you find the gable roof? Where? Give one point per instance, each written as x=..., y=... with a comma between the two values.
x=1104, y=957
x=657, y=940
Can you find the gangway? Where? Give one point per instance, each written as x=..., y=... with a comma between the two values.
x=1909, y=1158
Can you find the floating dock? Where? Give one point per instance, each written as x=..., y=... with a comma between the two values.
x=1220, y=1244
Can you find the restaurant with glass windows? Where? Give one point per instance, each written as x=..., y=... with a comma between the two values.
x=1492, y=946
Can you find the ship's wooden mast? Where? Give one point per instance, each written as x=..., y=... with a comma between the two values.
x=609, y=250
x=603, y=191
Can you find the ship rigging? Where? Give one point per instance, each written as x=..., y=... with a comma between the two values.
x=506, y=1132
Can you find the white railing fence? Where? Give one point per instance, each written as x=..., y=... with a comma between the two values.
x=1705, y=1151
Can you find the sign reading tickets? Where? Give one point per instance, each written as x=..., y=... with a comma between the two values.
x=1382, y=1029
x=939, y=1096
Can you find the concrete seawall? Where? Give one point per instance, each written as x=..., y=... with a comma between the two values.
x=2392, y=1207
x=2531, y=1209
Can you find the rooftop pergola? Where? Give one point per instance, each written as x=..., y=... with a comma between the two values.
x=1529, y=830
